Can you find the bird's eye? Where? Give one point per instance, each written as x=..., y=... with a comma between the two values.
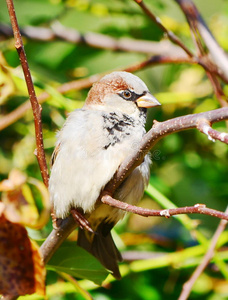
x=127, y=94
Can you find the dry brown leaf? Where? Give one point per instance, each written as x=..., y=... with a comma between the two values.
x=21, y=266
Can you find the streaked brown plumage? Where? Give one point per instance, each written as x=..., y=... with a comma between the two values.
x=90, y=147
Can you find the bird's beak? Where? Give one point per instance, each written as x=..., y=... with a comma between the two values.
x=147, y=101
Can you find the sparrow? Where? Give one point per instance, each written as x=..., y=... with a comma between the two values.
x=90, y=147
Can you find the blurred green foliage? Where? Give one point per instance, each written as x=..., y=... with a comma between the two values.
x=187, y=167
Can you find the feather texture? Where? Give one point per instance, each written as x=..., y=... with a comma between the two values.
x=90, y=147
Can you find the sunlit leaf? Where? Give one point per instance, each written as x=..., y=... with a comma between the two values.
x=77, y=262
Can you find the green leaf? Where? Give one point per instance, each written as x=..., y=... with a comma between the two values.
x=76, y=261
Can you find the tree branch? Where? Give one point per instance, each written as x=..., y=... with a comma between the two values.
x=206, y=259
x=192, y=14
x=169, y=33
x=167, y=213
x=196, y=23
x=95, y=40
x=222, y=98
x=32, y=96
x=56, y=237
x=205, y=127
x=158, y=131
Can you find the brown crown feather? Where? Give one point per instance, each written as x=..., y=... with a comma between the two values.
x=105, y=87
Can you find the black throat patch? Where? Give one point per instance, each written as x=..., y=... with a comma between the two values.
x=118, y=126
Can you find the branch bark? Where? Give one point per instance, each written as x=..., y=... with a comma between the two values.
x=95, y=40
x=169, y=33
x=192, y=14
x=32, y=95
x=205, y=127
x=201, y=33
x=206, y=259
x=167, y=213
x=158, y=131
x=56, y=237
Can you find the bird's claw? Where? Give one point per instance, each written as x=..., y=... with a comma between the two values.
x=81, y=220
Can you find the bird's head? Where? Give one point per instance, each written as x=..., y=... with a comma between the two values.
x=121, y=91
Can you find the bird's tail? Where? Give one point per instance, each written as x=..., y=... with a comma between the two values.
x=102, y=246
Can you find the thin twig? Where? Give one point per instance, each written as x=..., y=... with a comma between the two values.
x=200, y=32
x=205, y=127
x=196, y=22
x=206, y=259
x=32, y=96
x=167, y=213
x=95, y=40
x=219, y=93
x=219, y=56
x=169, y=33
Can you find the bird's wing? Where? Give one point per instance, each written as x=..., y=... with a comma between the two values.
x=54, y=155
x=81, y=162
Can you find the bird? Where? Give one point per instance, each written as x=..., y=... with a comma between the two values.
x=90, y=147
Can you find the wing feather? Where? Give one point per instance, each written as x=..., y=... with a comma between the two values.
x=54, y=155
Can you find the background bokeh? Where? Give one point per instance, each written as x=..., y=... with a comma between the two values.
x=187, y=167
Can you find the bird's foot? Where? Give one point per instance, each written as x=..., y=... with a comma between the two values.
x=54, y=220
x=81, y=220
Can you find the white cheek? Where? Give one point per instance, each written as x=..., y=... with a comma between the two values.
x=116, y=103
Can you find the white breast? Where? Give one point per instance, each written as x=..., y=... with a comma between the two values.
x=83, y=167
